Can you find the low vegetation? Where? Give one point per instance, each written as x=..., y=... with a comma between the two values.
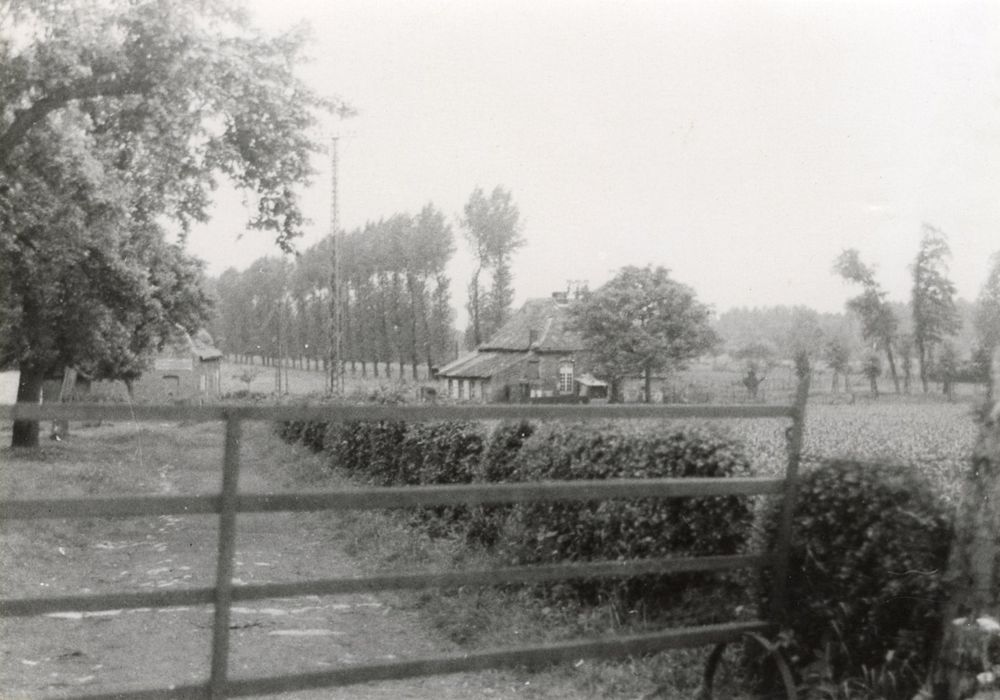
x=886, y=500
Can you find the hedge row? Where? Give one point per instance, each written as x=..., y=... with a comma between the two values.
x=396, y=454
x=868, y=548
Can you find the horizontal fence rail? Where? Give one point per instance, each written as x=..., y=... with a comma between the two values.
x=529, y=656
x=229, y=502
x=392, y=497
x=384, y=582
x=202, y=414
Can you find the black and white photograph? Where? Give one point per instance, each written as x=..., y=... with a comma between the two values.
x=534, y=349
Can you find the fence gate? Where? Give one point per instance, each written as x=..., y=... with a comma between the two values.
x=231, y=501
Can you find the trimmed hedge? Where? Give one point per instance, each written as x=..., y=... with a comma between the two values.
x=499, y=463
x=635, y=528
x=869, y=545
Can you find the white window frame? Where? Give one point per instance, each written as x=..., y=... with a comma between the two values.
x=566, y=377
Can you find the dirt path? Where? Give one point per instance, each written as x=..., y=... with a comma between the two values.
x=123, y=650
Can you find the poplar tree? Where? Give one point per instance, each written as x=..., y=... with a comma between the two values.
x=879, y=323
x=932, y=299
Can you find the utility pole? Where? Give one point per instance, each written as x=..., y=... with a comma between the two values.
x=335, y=382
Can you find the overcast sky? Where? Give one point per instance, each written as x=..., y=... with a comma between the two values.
x=741, y=144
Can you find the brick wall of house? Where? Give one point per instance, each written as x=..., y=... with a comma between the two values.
x=540, y=371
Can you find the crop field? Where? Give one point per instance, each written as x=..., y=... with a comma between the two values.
x=934, y=438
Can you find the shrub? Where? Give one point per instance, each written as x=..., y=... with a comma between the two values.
x=369, y=450
x=635, y=528
x=869, y=543
x=441, y=453
x=499, y=462
x=290, y=430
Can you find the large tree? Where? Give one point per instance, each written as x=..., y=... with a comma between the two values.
x=642, y=321
x=113, y=116
x=492, y=227
x=933, y=298
x=879, y=323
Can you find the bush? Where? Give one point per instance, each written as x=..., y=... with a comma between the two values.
x=369, y=450
x=627, y=529
x=442, y=453
x=499, y=462
x=869, y=543
x=309, y=433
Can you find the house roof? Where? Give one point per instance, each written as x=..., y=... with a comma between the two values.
x=201, y=345
x=541, y=324
x=182, y=343
x=590, y=380
x=480, y=365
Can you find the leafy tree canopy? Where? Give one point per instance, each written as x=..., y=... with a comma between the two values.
x=114, y=116
x=492, y=227
x=642, y=321
x=935, y=316
x=880, y=324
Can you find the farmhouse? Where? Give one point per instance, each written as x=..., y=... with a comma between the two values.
x=535, y=356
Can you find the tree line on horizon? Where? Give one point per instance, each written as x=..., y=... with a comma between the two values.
x=395, y=293
x=918, y=338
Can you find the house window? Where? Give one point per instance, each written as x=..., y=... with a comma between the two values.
x=532, y=371
x=565, y=377
x=171, y=385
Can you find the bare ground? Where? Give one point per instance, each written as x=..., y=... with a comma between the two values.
x=125, y=650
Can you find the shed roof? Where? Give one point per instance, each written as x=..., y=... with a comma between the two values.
x=590, y=380
x=201, y=345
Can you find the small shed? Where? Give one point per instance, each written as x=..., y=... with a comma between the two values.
x=591, y=387
x=186, y=369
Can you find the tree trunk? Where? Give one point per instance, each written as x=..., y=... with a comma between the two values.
x=476, y=333
x=922, y=357
x=411, y=287
x=647, y=384
x=970, y=642
x=892, y=366
x=29, y=390
x=615, y=390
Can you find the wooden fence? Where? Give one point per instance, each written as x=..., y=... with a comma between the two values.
x=230, y=501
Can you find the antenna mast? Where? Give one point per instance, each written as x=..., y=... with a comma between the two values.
x=336, y=366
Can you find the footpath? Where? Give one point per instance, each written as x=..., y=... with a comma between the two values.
x=127, y=650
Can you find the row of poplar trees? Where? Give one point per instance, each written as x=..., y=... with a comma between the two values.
x=396, y=294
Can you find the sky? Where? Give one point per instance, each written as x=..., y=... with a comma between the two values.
x=743, y=145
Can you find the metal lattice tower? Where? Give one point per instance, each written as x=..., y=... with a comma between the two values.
x=335, y=381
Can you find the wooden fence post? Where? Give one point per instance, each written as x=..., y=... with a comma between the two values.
x=779, y=590
x=226, y=555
